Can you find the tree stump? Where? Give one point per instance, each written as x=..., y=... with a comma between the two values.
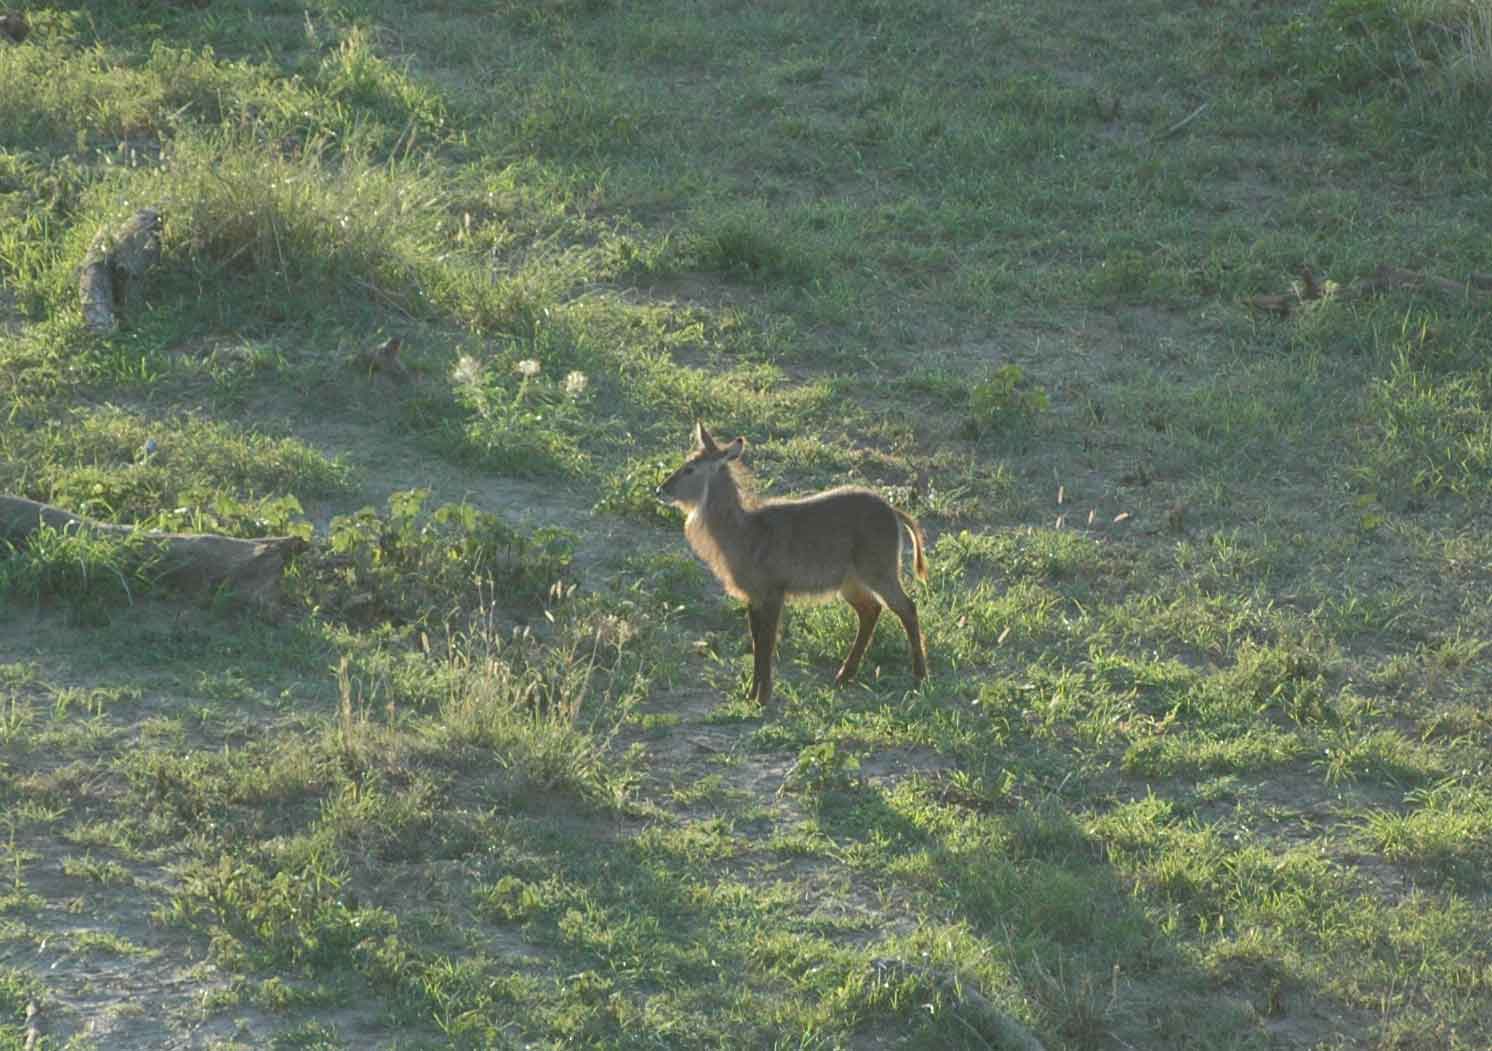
x=14, y=27
x=112, y=270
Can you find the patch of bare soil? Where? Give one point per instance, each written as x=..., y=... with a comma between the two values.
x=112, y=976
x=890, y=765
x=697, y=747
x=150, y=996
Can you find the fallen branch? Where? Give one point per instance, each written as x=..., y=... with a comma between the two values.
x=185, y=560
x=114, y=266
x=988, y=1021
x=1385, y=278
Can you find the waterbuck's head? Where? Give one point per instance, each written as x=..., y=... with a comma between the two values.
x=687, y=486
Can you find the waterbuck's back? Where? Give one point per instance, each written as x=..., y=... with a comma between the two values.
x=812, y=545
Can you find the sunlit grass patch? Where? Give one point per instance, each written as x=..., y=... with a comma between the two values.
x=18, y=991
x=127, y=466
x=479, y=784
x=87, y=574
x=1384, y=755
x=1430, y=433
x=295, y=233
x=1214, y=884
x=1446, y=830
x=1199, y=753
x=145, y=94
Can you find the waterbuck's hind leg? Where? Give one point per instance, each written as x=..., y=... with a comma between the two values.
x=902, y=605
x=868, y=608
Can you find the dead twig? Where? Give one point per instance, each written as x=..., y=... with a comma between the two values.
x=1184, y=121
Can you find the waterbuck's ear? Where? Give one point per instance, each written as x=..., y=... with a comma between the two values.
x=734, y=450
x=702, y=438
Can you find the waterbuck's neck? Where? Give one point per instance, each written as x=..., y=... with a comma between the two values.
x=719, y=531
x=724, y=504
x=721, y=512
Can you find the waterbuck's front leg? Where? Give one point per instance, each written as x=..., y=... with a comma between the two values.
x=764, y=616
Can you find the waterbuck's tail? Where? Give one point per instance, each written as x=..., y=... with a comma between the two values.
x=919, y=542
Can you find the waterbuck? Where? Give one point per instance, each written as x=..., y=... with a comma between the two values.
x=845, y=541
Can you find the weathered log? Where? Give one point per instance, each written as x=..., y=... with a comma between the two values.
x=96, y=287
x=1383, y=279
x=252, y=568
x=137, y=249
x=116, y=263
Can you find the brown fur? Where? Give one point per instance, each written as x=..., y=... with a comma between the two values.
x=844, y=541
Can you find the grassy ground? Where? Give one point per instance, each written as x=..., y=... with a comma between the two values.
x=1202, y=761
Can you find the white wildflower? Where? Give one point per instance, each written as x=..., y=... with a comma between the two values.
x=468, y=371
x=528, y=368
x=575, y=383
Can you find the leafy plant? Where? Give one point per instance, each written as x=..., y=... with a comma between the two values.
x=525, y=423
x=631, y=490
x=407, y=566
x=1003, y=399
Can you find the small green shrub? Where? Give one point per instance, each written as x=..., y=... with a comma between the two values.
x=631, y=491
x=407, y=566
x=822, y=767
x=750, y=243
x=290, y=916
x=522, y=421
x=1001, y=400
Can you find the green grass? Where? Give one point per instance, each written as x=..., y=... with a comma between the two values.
x=1201, y=760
